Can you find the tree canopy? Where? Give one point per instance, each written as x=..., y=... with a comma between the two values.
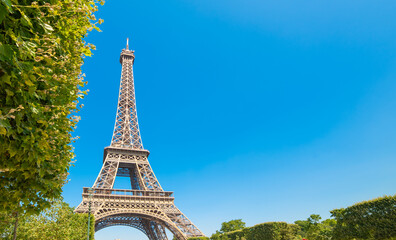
x=315, y=229
x=41, y=52
x=264, y=231
x=232, y=225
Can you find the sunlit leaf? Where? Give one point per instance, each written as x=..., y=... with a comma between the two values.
x=47, y=27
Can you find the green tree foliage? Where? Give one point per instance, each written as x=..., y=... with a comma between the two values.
x=41, y=53
x=232, y=225
x=229, y=226
x=375, y=219
x=264, y=231
x=57, y=222
x=315, y=229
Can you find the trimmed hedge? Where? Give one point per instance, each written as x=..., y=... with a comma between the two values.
x=238, y=234
x=375, y=219
x=263, y=231
x=274, y=231
x=369, y=220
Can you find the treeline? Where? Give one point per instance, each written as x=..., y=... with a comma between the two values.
x=375, y=219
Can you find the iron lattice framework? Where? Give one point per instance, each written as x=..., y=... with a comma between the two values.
x=146, y=206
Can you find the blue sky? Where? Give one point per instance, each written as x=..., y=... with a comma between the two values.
x=260, y=110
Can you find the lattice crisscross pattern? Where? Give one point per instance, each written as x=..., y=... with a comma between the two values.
x=126, y=130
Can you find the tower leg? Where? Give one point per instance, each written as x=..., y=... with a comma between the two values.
x=107, y=174
x=148, y=229
x=160, y=231
x=153, y=230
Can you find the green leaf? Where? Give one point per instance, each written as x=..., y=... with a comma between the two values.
x=30, y=44
x=29, y=83
x=3, y=12
x=6, y=78
x=12, y=152
x=8, y=4
x=25, y=65
x=25, y=20
x=34, y=110
x=3, y=131
x=6, y=52
x=4, y=123
x=47, y=27
x=96, y=28
x=9, y=93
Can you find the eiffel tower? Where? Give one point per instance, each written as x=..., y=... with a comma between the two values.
x=146, y=206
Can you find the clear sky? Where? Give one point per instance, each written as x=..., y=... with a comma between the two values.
x=261, y=110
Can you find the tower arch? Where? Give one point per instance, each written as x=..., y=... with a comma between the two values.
x=142, y=222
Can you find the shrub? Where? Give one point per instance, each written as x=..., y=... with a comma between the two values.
x=273, y=231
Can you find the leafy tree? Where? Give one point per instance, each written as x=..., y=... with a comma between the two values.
x=41, y=53
x=267, y=231
x=57, y=222
x=232, y=225
x=315, y=229
x=229, y=226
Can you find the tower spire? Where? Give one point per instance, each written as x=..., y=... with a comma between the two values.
x=126, y=130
